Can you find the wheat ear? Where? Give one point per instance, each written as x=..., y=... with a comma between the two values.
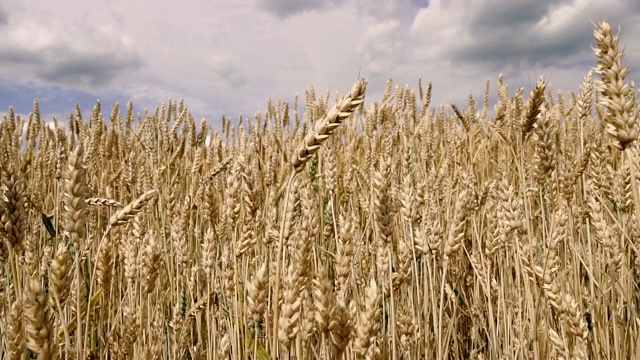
x=128, y=212
x=622, y=113
x=325, y=127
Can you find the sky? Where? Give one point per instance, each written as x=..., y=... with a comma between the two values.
x=230, y=56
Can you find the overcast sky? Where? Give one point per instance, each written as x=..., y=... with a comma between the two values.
x=230, y=56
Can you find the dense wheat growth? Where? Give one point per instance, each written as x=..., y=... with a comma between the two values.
x=357, y=229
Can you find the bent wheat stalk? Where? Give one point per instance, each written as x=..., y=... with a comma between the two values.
x=119, y=218
x=309, y=146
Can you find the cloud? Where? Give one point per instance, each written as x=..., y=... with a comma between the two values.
x=72, y=55
x=229, y=71
x=230, y=57
x=497, y=34
x=286, y=8
x=494, y=15
x=91, y=70
x=461, y=44
x=62, y=65
x=391, y=9
x=4, y=16
x=380, y=45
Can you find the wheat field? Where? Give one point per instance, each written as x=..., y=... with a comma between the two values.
x=358, y=229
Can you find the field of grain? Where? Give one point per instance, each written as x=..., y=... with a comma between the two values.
x=359, y=229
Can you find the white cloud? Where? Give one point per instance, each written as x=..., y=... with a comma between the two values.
x=231, y=56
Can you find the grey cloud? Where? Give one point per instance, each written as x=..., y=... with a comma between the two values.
x=403, y=10
x=497, y=15
x=231, y=74
x=507, y=34
x=15, y=56
x=522, y=49
x=4, y=16
x=286, y=8
x=419, y=3
x=88, y=69
x=62, y=65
